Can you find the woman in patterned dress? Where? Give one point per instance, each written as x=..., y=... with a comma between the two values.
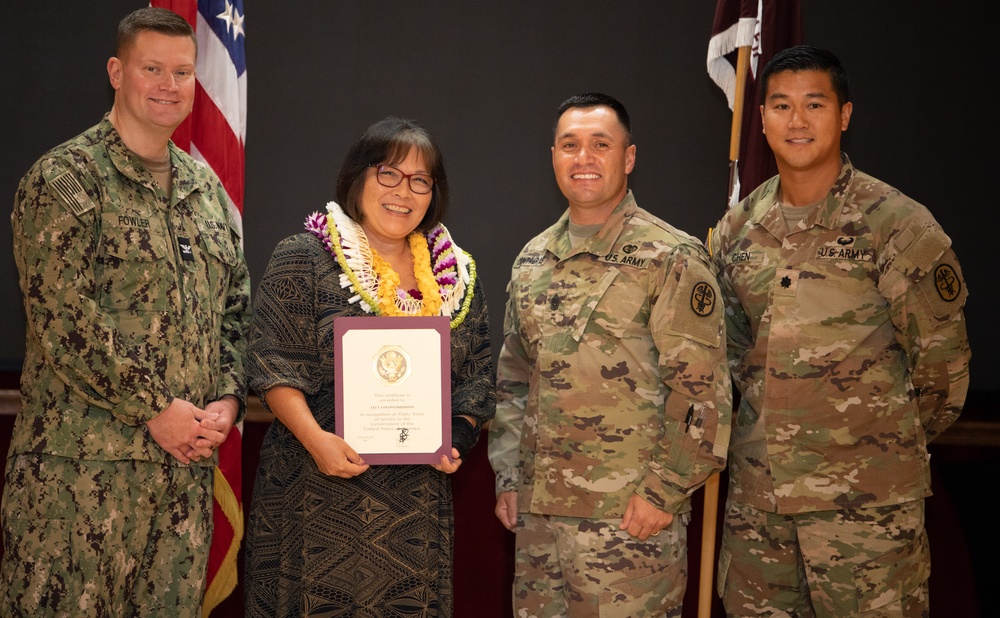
x=329, y=534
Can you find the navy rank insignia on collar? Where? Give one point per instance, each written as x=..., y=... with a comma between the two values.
x=948, y=285
x=185, y=246
x=703, y=299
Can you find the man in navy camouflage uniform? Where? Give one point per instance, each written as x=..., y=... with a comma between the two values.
x=136, y=292
x=613, y=395
x=848, y=344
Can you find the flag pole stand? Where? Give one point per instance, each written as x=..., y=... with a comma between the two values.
x=711, y=500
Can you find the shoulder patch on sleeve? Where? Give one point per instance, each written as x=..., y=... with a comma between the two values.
x=694, y=313
x=71, y=192
x=945, y=288
x=703, y=299
x=947, y=282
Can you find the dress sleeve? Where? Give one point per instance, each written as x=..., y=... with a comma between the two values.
x=283, y=347
x=473, y=387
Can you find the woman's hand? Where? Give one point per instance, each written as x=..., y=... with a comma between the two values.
x=334, y=457
x=448, y=466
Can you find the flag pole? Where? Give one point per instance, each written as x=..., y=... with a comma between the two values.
x=711, y=501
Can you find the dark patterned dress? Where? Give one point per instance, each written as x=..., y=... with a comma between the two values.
x=377, y=545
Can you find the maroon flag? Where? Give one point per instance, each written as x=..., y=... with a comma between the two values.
x=766, y=26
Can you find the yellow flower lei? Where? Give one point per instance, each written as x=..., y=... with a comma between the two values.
x=325, y=228
x=388, y=280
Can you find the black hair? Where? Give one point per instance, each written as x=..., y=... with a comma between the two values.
x=388, y=141
x=807, y=58
x=595, y=99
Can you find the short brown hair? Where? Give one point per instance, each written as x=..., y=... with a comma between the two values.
x=155, y=20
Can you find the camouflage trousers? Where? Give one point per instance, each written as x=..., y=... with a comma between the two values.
x=567, y=566
x=869, y=562
x=104, y=538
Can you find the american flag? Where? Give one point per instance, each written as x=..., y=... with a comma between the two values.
x=766, y=26
x=214, y=133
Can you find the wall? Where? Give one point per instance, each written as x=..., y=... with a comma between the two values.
x=486, y=77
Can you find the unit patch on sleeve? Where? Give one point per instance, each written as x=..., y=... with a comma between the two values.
x=948, y=285
x=702, y=299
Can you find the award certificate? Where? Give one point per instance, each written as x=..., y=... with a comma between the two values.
x=393, y=387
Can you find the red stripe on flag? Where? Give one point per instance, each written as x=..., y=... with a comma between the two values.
x=216, y=142
x=230, y=464
x=213, y=137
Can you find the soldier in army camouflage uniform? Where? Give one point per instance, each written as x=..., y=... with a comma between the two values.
x=848, y=344
x=136, y=292
x=614, y=396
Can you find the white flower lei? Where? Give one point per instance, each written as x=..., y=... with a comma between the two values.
x=453, y=268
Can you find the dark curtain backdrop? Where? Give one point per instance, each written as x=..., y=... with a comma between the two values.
x=486, y=77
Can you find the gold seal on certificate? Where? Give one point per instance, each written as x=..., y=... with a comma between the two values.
x=391, y=365
x=393, y=387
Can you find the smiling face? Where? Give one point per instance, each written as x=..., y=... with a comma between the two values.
x=592, y=159
x=803, y=121
x=154, y=82
x=391, y=213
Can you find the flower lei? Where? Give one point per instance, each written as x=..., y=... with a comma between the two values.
x=445, y=273
x=388, y=280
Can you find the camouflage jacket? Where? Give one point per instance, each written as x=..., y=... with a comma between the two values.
x=847, y=342
x=131, y=298
x=612, y=380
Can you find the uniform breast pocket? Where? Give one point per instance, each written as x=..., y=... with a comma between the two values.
x=220, y=261
x=609, y=309
x=135, y=272
x=835, y=316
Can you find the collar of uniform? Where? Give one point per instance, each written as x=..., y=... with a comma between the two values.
x=186, y=180
x=766, y=210
x=830, y=213
x=601, y=243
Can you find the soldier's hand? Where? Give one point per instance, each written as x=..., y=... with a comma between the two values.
x=178, y=431
x=506, y=509
x=643, y=520
x=219, y=416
